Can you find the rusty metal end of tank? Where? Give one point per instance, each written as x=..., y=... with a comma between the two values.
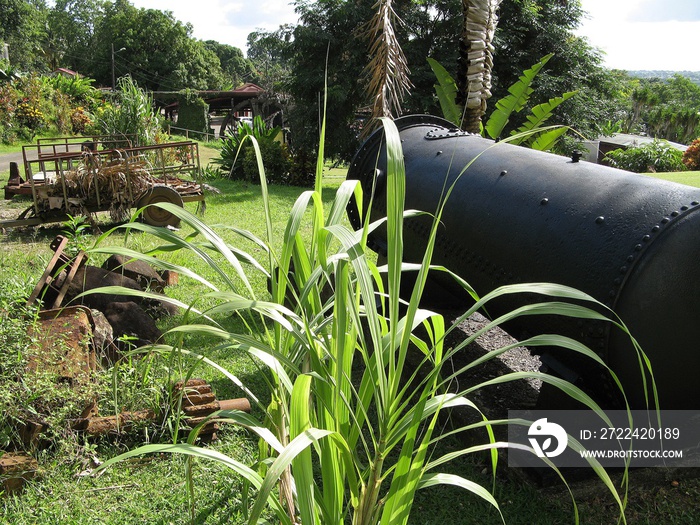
x=600, y=220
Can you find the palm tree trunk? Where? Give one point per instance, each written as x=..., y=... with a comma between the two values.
x=476, y=60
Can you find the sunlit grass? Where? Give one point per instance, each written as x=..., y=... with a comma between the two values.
x=689, y=178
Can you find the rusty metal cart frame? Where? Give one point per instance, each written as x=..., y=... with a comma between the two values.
x=47, y=162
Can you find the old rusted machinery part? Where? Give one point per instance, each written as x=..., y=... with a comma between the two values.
x=68, y=176
x=63, y=345
x=122, y=422
x=199, y=402
x=154, y=215
x=15, y=470
x=518, y=215
x=14, y=183
x=54, y=282
x=140, y=271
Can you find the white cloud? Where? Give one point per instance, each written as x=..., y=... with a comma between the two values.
x=635, y=35
x=665, y=11
x=227, y=22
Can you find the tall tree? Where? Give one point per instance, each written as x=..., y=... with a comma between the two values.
x=530, y=29
x=236, y=68
x=72, y=32
x=666, y=109
x=335, y=29
x=527, y=31
x=22, y=28
x=154, y=48
x=325, y=46
x=268, y=52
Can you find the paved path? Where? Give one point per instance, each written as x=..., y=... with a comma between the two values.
x=6, y=158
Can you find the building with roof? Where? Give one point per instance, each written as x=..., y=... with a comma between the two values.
x=597, y=149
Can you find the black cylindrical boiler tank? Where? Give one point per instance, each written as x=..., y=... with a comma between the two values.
x=518, y=215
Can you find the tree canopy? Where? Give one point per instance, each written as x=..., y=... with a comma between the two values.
x=22, y=28
x=234, y=65
x=330, y=52
x=666, y=109
x=527, y=31
x=99, y=38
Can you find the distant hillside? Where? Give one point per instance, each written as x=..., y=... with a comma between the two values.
x=692, y=75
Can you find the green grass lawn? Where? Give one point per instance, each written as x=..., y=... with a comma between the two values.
x=690, y=178
x=152, y=490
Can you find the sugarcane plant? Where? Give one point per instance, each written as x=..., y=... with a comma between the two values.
x=334, y=336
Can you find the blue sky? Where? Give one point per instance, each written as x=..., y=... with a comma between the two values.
x=633, y=34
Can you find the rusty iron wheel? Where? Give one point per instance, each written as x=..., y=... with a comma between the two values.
x=155, y=216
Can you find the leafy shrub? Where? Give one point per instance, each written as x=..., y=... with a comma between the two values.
x=209, y=173
x=29, y=115
x=61, y=118
x=193, y=113
x=31, y=105
x=235, y=149
x=78, y=88
x=302, y=168
x=655, y=157
x=691, y=157
x=609, y=128
x=275, y=158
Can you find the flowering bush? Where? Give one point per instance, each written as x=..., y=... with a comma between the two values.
x=29, y=115
x=691, y=157
x=80, y=120
x=33, y=104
